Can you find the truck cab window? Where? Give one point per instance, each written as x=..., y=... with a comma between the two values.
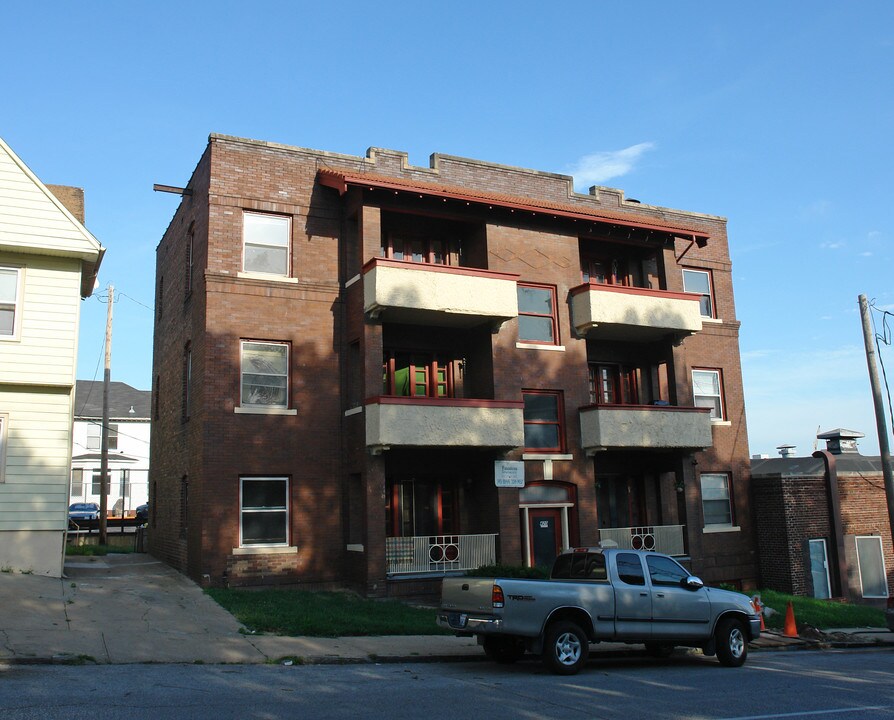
x=630, y=569
x=664, y=571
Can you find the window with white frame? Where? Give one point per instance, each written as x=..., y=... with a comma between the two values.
x=707, y=389
x=96, y=483
x=871, y=563
x=77, y=483
x=699, y=281
x=264, y=511
x=9, y=300
x=265, y=374
x=717, y=505
x=266, y=243
x=94, y=436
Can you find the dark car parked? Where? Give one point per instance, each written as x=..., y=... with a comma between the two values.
x=143, y=513
x=83, y=511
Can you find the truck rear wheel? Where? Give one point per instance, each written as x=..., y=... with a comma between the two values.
x=732, y=643
x=565, y=648
x=504, y=650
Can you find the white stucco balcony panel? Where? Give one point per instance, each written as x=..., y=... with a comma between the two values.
x=657, y=427
x=409, y=292
x=430, y=422
x=620, y=312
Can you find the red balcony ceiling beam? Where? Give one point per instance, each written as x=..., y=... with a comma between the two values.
x=340, y=180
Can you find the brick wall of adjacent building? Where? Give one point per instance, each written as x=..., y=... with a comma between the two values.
x=789, y=512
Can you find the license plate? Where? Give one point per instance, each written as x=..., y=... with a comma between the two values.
x=457, y=620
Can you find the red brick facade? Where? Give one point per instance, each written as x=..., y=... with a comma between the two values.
x=828, y=497
x=346, y=497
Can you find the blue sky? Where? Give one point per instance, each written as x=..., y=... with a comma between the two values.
x=778, y=116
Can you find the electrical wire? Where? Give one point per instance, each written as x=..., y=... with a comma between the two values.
x=885, y=337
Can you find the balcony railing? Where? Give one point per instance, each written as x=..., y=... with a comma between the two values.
x=438, y=553
x=443, y=422
x=642, y=427
x=615, y=312
x=667, y=539
x=446, y=296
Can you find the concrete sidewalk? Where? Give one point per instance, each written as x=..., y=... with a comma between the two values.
x=134, y=609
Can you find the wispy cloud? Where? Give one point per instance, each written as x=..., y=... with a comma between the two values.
x=601, y=167
x=829, y=245
x=816, y=209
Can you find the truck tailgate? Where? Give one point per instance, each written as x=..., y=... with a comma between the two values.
x=467, y=594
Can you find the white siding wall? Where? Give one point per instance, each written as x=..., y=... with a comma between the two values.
x=31, y=219
x=34, y=487
x=45, y=351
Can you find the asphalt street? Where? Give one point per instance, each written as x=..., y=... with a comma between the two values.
x=791, y=685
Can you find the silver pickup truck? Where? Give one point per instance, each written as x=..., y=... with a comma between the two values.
x=596, y=594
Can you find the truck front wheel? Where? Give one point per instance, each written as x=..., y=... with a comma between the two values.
x=504, y=650
x=732, y=644
x=566, y=648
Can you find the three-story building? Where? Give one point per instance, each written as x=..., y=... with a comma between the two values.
x=369, y=373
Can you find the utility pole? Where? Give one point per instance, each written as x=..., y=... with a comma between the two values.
x=881, y=425
x=104, y=447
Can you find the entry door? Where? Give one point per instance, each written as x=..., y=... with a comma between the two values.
x=819, y=569
x=545, y=526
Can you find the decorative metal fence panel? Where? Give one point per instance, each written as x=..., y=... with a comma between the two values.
x=667, y=539
x=439, y=553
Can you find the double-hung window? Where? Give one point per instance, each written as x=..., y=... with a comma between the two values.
x=537, y=321
x=9, y=301
x=266, y=243
x=717, y=503
x=543, y=418
x=699, y=281
x=265, y=374
x=707, y=389
x=264, y=511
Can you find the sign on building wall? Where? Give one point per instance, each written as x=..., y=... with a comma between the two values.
x=509, y=473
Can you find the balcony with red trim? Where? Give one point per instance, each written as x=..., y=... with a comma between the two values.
x=644, y=427
x=429, y=294
x=443, y=422
x=619, y=312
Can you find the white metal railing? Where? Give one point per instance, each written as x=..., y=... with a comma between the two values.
x=438, y=553
x=667, y=539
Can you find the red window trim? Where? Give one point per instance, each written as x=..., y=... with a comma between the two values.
x=711, y=294
x=732, y=494
x=723, y=413
x=560, y=423
x=554, y=316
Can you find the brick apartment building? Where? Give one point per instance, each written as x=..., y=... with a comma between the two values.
x=359, y=363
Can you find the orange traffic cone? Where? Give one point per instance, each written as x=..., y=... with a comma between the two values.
x=759, y=609
x=791, y=630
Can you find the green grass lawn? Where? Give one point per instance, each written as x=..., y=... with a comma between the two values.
x=342, y=614
x=821, y=614
x=323, y=614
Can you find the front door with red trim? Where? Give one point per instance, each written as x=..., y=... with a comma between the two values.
x=545, y=531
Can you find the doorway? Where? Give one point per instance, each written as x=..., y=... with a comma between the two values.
x=819, y=569
x=544, y=528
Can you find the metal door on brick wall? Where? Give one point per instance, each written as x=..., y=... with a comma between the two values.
x=819, y=569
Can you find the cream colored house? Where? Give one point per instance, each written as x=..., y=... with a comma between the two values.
x=48, y=262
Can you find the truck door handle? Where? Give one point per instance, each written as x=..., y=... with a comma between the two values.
x=659, y=594
x=644, y=594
